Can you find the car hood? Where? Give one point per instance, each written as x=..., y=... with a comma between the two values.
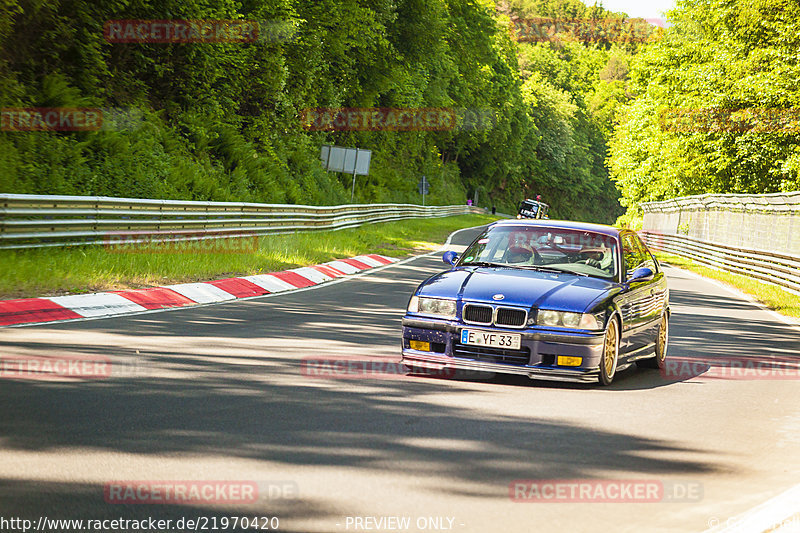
x=526, y=288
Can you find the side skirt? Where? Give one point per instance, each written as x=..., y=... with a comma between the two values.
x=642, y=353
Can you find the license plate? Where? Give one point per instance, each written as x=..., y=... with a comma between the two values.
x=476, y=337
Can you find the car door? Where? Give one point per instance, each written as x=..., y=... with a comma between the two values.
x=636, y=299
x=651, y=311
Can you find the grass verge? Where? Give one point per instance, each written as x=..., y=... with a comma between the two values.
x=74, y=270
x=771, y=296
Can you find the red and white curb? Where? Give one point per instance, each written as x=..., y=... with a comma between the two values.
x=103, y=304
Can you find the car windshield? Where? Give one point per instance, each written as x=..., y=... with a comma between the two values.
x=575, y=251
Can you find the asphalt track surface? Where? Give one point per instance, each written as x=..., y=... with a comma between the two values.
x=220, y=393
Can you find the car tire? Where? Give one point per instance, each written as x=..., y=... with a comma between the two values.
x=610, y=357
x=662, y=342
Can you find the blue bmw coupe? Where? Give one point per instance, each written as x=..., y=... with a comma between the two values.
x=552, y=300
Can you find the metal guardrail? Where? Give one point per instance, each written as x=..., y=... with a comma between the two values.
x=32, y=221
x=783, y=270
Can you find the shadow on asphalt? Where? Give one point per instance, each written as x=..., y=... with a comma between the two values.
x=253, y=403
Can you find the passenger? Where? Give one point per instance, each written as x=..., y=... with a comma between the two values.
x=519, y=253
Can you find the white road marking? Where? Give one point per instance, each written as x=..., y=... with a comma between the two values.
x=746, y=297
x=780, y=514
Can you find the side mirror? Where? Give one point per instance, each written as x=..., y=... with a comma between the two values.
x=450, y=258
x=641, y=274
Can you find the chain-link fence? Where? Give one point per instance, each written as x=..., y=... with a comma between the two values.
x=766, y=222
x=754, y=235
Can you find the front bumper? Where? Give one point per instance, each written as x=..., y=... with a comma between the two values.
x=540, y=348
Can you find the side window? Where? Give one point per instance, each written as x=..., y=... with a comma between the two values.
x=633, y=255
x=649, y=261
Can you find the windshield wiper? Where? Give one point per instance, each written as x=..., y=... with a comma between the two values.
x=483, y=264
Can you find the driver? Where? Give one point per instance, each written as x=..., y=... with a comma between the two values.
x=519, y=253
x=593, y=256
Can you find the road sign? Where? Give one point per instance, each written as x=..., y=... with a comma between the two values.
x=350, y=160
x=347, y=160
x=424, y=186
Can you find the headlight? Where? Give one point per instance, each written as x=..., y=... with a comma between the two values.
x=548, y=318
x=571, y=320
x=565, y=319
x=432, y=306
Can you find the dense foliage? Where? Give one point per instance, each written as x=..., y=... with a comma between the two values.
x=221, y=121
x=716, y=107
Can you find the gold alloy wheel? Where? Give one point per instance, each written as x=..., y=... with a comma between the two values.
x=661, y=343
x=609, y=364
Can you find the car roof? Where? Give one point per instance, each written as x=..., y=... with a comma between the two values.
x=529, y=201
x=561, y=224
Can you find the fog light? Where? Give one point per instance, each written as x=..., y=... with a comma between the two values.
x=420, y=345
x=564, y=360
